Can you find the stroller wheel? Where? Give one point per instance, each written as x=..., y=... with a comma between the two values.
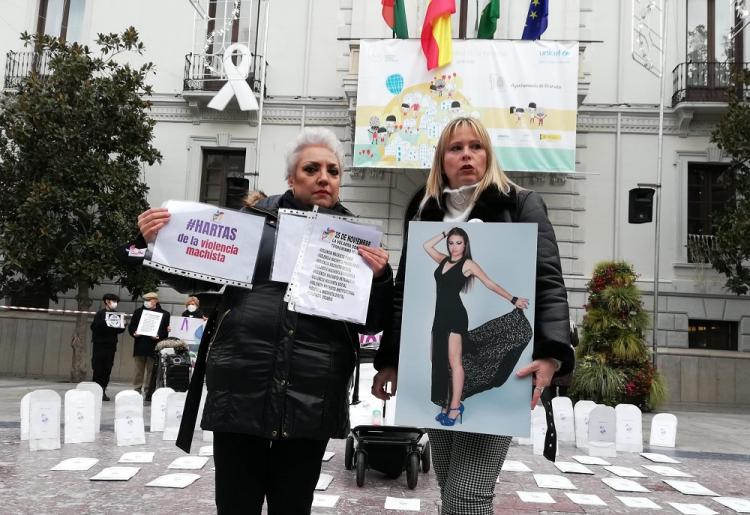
x=426, y=458
x=412, y=470
x=361, y=460
x=349, y=453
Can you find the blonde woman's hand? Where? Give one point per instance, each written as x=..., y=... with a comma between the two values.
x=151, y=220
x=521, y=303
x=376, y=258
x=542, y=371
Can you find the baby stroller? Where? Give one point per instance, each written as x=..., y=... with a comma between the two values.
x=388, y=449
x=171, y=366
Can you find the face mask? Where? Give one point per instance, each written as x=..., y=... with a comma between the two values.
x=192, y=308
x=113, y=305
x=148, y=304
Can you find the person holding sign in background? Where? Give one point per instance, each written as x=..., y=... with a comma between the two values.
x=455, y=274
x=466, y=183
x=277, y=380
x=104, y=331
x=144, y=345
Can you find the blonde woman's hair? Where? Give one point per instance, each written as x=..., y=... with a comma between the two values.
x=193, y=300
x=494, y=174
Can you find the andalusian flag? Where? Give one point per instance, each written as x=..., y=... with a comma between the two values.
x=488, y=21
x=436, y=33
x=394, y=15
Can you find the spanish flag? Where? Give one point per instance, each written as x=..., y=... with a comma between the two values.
x=436, y=33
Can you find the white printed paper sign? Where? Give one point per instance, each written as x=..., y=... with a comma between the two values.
x=536, y=497
x=667, y=471
x=115, y=320
x=323, y=481
x=738, y=504
x=398, y=503
x=514, y=466
x=330, y=278
x=148, y=325
x=324, y=501
x=177, y=480
x=572, y=468
x=623, y=485
x=553, y=481
x=44, y=420
x=76, y=464
x=689, y=487
x=80, y=416
x=639, y=502
x=658, y=458
x=692, y=509
x=208, y=243
x=137, y=457
x=586, y=499
x=624, y=471
x=116, y=474
x=189, y=463
x=590, y=460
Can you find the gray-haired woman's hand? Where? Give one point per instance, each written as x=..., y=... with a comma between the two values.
x=151, y=220
x=376, y=258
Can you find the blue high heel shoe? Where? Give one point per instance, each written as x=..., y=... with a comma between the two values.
x=440, y=416
x=448, y=421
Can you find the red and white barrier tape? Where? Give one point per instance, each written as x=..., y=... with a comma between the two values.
x=49, y=310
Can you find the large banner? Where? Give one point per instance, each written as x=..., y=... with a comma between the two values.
x=525, y=93
x=462, y=341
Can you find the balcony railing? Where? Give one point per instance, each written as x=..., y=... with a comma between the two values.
x=701, y=247
x=704, y=82
x=205, y=72
x=20, y=65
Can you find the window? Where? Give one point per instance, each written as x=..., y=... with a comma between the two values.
x=62, y=19
x=712, y=334
x=223, y=181
x=710, y=189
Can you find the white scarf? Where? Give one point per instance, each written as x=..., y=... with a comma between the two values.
x=458, y=203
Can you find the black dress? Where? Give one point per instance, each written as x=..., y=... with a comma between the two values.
x=450, y=317
x=489, y=352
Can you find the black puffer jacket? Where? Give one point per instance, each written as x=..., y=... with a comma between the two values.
x=551, y=320
x=271, y=372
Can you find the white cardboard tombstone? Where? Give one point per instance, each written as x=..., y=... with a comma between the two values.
x=208, y=436
x=582, y=410
x=629, y=437
x=538, y=429
x=80, y=416
x=129, y=428
x=98, y=392
x=25, y=416
x=602, y=431
x=44, y=420
x=159, y=409
x=663, y=430
x=562, y=408
x=175, y=405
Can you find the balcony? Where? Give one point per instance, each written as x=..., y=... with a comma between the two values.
x=20, y=65
x=204, y=75
x=704, y=82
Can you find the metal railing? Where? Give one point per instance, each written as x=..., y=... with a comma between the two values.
x=20, y=65
x=704, y=81
x=205, y=72
x=700, y=247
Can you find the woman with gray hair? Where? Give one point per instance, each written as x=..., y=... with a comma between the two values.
x=277, y=381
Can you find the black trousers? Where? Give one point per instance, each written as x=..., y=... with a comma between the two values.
x=102, y=359
x=250, y=468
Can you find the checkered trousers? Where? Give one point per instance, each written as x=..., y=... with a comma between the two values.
x=466, y=466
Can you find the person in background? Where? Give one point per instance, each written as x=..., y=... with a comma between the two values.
x=104, y=343
x=144, y=346
x=193, y=308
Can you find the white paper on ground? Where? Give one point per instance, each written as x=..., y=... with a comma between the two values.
x=624, y=471
x=738, y=504
x=590, y=460
x=659, y=458
x=572, y=468
x=586, y=499
x=639, y=502
x=553, y=481
x=692, y=509
x=689, y=487
x=137, y=457
x=177, y=480
x=667, y=471
x=624, y=485
x=324, y=501
x=399, y=503
x=328, y=455
x=515, y=466
x=116, y=474
x=206, y=450
x=538, y=497
x=76, y=464
x=189, y=463
x=323, y=481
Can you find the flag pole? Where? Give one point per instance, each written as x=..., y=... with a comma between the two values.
x=462, y=20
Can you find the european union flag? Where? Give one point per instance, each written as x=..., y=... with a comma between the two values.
x=536, y=20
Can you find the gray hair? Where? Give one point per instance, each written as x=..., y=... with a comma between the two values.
x=313, y=137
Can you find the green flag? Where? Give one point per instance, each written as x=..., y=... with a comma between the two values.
x=394, y=15
x=488, y=21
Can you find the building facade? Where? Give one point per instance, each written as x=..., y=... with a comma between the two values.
x=310, y=51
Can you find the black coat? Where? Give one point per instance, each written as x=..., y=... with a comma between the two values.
x=551, y=320
x=271, y=372
x=101, y=333
x=146, y=345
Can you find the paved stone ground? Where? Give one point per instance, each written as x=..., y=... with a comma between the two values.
x=714, y=447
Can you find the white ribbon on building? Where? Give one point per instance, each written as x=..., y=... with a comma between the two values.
x=236, y=85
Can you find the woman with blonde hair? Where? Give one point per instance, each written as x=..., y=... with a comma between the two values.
x=465, y=184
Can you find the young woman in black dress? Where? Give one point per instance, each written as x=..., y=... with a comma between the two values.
x=454, y=274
